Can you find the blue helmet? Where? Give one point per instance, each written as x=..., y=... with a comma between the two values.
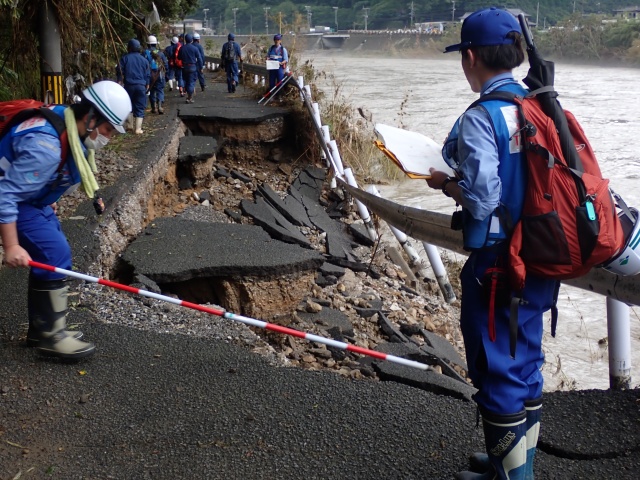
x=133, y=45
x=231, y=36
x=188, y=38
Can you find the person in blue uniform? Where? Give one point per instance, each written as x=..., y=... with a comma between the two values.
x=32, y=179
x=159, y=66
x=490, y=185
x=134, y=73
x=201, y=80
x=191, y=63
x=170, y=53
x=278, y=53
x=231, y=54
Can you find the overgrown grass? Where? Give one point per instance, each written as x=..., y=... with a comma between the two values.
x=351, y=127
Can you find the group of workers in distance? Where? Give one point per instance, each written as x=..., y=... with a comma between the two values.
x=146, y=73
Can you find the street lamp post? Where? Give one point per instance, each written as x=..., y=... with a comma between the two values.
x=266, y=19
x=235, y=29
x=335, y=10
x=308, y=9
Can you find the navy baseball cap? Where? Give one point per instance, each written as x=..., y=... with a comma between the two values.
x=486, y=27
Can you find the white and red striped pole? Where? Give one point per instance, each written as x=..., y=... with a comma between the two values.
x=239, y=318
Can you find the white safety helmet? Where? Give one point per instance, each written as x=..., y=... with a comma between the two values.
x=175, y=40
x=628, y=262
x=196, y=36
x=111, y=100
x=151, y=40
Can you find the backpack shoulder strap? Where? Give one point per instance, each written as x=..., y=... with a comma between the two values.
x=496, y=95
x=53, y=118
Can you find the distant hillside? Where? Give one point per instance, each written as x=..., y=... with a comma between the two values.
x=258, y=16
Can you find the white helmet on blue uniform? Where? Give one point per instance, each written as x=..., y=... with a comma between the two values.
x=196, y=36
x=111, y=100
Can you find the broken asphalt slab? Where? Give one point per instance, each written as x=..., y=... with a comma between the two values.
x=176, y=250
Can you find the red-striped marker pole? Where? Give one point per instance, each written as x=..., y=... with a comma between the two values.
x=238, y=318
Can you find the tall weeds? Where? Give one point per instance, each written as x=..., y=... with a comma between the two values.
x=350, y=126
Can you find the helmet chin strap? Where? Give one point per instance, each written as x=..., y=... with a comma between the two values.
x=87, y=122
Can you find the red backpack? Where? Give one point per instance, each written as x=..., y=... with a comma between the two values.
x=177, y=61
x=14, y=112
x=569, y=222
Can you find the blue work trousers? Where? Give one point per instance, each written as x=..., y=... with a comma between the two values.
x=232, y=76
x=179, y=77
x=275, y=76
x=156, y=93
x=504, y=383
x=189, y=78
x=39, y=233
x=138, y=96
x=201, y=78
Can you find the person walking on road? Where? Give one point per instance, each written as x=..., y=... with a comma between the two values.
x=201, y=80
x=278, y=53
x=32, y=179
x=191, y=63
x=134, y=73
x=159, y=66
x=231, y=54
x=178, y=65
x=490, y=183
x=170, y=53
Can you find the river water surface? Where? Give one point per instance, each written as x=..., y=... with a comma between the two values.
x=427, y=96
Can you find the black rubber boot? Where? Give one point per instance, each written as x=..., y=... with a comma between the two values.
x=160, y=108
x=506, y=442
x=47, y=321
x=33, y=335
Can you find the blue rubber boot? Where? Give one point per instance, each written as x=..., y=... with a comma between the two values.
x=534, y=411
x=479, y=462
x=506, y=442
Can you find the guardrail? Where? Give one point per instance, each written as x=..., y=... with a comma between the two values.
x=246, y=67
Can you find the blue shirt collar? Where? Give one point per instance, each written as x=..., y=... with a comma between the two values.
x=497, y=81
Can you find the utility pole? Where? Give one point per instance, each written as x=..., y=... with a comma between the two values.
x=453, y=10
x=335, y=10
x=50, y=55
x=308, y=9
x=411, y=18
x=234, y=20
x=280, y=16
x=266, y=19
x=537, y=15
x=366, y=16
x=205, y=10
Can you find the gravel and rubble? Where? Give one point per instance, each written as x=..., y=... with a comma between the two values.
x=355, y=294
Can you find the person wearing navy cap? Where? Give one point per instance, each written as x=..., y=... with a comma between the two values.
x=231, y=54
x=192, y=61
x=490, y=183
x=279, y=53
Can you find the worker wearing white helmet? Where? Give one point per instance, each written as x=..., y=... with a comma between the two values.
x=159, y=66
x=196, y=42
x=43, y=157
